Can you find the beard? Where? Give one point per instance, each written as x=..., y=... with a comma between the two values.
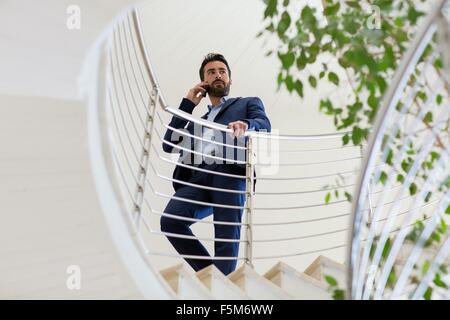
x=217, y=91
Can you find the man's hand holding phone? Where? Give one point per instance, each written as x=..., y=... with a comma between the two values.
x=197, y=93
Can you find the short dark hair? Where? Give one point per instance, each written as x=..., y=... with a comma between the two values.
x=213, y=57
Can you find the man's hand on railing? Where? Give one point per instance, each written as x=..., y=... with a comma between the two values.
x=238, y=127
x=197, y=93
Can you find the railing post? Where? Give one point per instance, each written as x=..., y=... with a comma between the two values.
x=369, y=198
x=145, y=155
x=249, y=193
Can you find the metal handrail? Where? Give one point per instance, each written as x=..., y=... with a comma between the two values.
x=196, y=137
x=174, y=112
x=175, y=146
x=137, y=159
x=385, y=114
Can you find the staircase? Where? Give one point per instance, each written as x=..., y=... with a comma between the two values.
x=281, y=282
x=129, y=170
x=130, y=173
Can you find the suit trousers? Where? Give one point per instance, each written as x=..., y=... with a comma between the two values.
x=183, y=209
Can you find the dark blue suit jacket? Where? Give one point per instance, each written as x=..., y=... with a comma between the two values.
x=249, y=109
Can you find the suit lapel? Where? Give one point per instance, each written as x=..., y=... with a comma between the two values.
x=227, y=103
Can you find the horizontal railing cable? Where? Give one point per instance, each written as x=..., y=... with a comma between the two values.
x=196, y=168
x=186, y=133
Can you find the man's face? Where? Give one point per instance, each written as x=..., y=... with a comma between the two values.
x=216, y=75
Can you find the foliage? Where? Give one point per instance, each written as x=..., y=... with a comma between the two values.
x=358, y=43
x=351, y=50
x=333, y=288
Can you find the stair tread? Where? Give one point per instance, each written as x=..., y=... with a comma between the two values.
x=212, y=271
x=172, y=276
x=283, y=267
x=250, y=273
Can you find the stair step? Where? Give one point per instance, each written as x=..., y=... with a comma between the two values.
x=324, y=266
x=299, y=285
x=256, y=286
x=184, y=283
x=220, y=287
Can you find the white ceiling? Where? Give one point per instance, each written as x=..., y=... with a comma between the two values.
x=39, y=56
x=180, y=33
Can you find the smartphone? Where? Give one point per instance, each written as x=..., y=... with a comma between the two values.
x=206, y=87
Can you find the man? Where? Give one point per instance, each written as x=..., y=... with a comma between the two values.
x=240, y=115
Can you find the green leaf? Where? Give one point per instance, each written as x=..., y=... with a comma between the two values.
x=438, y=63
x=287, y=59
x=391, y=278
x=357, y=135
x=312, y=81
x=339, y=295
x=384, y=5
x=383, y=177
x=382, y=85
x=279, y=79
x=413, y=14
x=435, y=236
x=427, y=294
x=289, y=83
x=438, y=281
x=428, y=196
x=353, y=4
x=400, y=178
x=406, y=165
x=332, y=10
x=350, y=25
x=327, y=197
x=308, y=18
x=388, y=61
x=389, y=157
x=447, y=211
x=299, y=88
x=345, y=139
x=428, y=117
x=270, y=27
x=373, y=101
x=434, y=156
x=321, y=74
x=348, y=196
x=302, y=60
x=412, y=189
x=387, y=248
x=271, y=8
x=284, y=24
x=330, y=280
x=333, y=77
x=425, y=267
x=422, y=95
x=439, y=99
x=443, y=227
x=285, y=3
x=399, y=22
